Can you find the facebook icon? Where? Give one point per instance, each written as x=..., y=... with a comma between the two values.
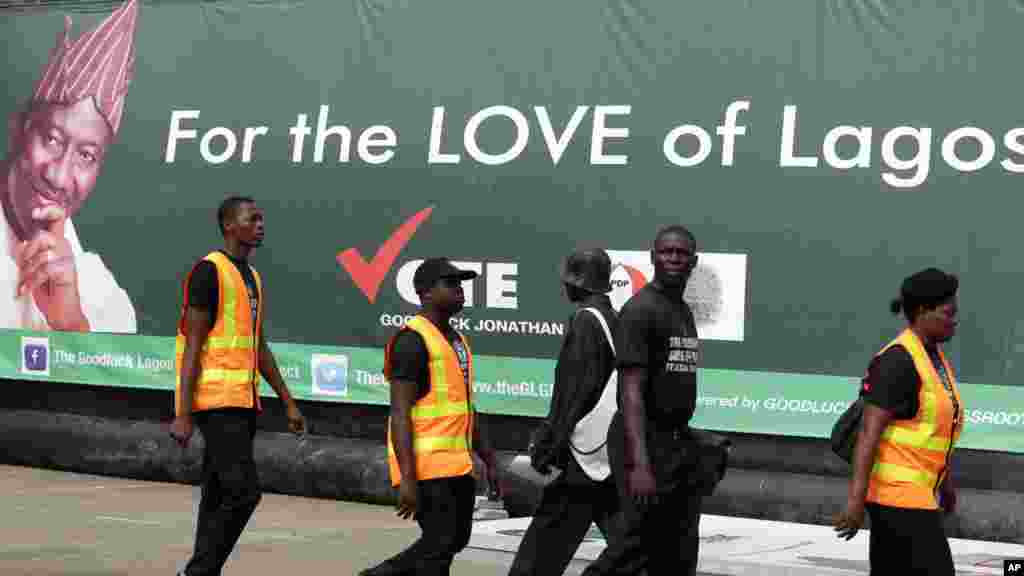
x=35, y=356
x=330, y=374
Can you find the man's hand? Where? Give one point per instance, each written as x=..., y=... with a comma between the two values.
x=296, y=421
x=539, y=449
x=543, y=467
x=46, y=269
x=407, y=499
x=478, y=467
x=493, y=479
x=181, y=430
x=849, y=522
x=641, y=485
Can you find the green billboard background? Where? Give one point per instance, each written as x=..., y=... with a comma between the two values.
x=729, y=400
x=825, y=246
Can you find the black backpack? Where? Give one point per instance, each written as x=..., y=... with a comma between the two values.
x=844, y=431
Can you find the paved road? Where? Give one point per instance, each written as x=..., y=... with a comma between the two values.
x=70, y=524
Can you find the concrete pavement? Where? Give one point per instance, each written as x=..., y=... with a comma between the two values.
x=73, y=524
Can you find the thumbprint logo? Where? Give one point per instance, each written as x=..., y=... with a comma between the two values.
x=704, y=294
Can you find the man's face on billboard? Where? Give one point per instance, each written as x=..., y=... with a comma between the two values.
x=58, y=153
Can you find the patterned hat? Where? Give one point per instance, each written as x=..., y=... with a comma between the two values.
x=99, y=63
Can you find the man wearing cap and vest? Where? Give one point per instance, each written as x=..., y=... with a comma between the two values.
x=911, y=421
x=220, y=351
x=433, y=430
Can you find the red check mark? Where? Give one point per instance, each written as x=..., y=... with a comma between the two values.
x=369, y=275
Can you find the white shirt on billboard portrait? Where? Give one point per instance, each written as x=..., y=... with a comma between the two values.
x=105, y=304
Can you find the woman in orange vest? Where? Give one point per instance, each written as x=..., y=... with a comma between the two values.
x=912, y=419
x=434, y=448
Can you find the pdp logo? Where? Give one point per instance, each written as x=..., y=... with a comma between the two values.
x=716, y=292
x=330, y=374
x=35, y=356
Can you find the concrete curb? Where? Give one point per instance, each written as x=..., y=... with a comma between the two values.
x=356, y=470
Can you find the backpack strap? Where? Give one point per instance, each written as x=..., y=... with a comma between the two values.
x=604, y=326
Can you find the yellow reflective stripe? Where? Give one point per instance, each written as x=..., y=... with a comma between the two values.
x=914, y=439
x=440, y=410
x=896, y=473
x=439, y=443
x=929, y=408
x=439, y=379
x=230, y=304
x=242, y=342
x=435, y=350
x=225, y=375
x=438, y=374
x=220, y=343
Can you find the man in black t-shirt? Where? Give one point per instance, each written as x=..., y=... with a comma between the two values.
x=652, y=453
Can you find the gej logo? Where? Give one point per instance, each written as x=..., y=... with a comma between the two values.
x=35, y=356
x=330, y=374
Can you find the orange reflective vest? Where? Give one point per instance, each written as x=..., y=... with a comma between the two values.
x=913, y=455
x=442, y=421
x=229, y=360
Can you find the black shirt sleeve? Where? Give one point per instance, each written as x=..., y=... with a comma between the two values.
x=409, y=361
x=633, y=341
x=892, y=383
x=202, y=289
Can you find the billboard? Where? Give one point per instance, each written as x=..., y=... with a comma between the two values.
x=819, y=153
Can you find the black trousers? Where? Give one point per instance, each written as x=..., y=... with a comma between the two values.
x=230, y=487
x=569, y=505
x=908, y=542
x=444, y=511
x=664, y=536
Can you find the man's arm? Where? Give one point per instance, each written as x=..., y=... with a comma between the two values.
x=634, y=341
x=403, y=396
x=481, y=440
x=634, y=416
x=484, y=449
x=272, y=374
x=197, y=328
x=268, y=368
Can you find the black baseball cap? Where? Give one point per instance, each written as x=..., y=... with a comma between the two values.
x=432, y=270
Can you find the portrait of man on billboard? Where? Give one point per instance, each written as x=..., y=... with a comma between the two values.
x=56, y=148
